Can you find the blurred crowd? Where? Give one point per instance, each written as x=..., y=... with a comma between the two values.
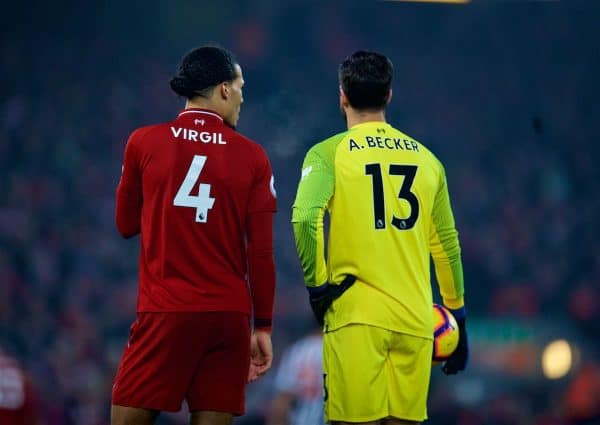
x=505, y=95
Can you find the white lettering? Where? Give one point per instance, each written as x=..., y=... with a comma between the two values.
x=205, y=137
x=195, y=136
x=175, y=132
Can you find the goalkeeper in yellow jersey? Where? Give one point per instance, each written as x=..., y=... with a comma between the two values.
x=389, y=209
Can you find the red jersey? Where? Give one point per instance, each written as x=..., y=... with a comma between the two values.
x=17, y=403
x=193, y=187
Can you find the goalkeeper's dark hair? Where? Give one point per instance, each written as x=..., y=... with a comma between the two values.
x=201, y=69
x=366, y=79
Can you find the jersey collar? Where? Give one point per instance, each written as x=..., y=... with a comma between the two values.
x=370, y=123
x=199, y=114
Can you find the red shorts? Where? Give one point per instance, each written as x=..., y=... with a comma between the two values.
x=202, y=358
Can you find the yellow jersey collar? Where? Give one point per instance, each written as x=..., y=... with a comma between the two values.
x=369, y=123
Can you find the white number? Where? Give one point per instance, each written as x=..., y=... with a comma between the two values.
x=202, y=202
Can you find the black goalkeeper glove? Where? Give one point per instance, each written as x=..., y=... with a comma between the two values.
x=459, y=359
x=321, y=297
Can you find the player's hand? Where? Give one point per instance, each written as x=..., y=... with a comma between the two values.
x=261, y=354
x=321, y=297
x=459, y=359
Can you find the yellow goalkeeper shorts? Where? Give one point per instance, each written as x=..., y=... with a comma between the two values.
x=372, y=373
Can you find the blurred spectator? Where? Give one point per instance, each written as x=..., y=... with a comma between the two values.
x=583, y=396
x=18, y=404
x=298, y=384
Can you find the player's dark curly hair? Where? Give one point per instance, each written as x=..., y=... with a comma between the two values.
x=201, y=69
x=366, y=78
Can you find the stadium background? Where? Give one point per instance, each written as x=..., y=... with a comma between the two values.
x=505, y=92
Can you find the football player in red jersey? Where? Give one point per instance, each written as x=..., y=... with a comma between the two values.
x=17, y=398
x=202, y=197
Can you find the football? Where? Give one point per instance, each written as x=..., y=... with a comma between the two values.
x=445, y=334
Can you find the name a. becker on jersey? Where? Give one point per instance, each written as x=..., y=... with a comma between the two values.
x=385, y=143
x=198, y=136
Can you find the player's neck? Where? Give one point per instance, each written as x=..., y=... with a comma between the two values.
x=201, y=103
x=354, y=117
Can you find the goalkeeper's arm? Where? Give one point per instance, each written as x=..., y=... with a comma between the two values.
x=445, y=250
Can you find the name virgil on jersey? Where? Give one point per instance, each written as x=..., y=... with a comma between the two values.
x=198, y=136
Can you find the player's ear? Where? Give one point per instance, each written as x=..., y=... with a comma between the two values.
x=389, y=98
x=343, y=98
x=224, y=90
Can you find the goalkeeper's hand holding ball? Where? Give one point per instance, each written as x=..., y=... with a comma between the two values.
x=458, y=360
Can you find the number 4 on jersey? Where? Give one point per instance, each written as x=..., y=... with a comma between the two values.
x=202, y=202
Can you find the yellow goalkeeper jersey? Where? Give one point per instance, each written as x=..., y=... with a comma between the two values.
x=389, y=210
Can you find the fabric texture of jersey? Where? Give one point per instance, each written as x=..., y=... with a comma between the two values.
x=189, y=186
x=389, y=209
x=300, y=374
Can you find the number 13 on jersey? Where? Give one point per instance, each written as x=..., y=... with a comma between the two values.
x=202, y=202
x=409, y=172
